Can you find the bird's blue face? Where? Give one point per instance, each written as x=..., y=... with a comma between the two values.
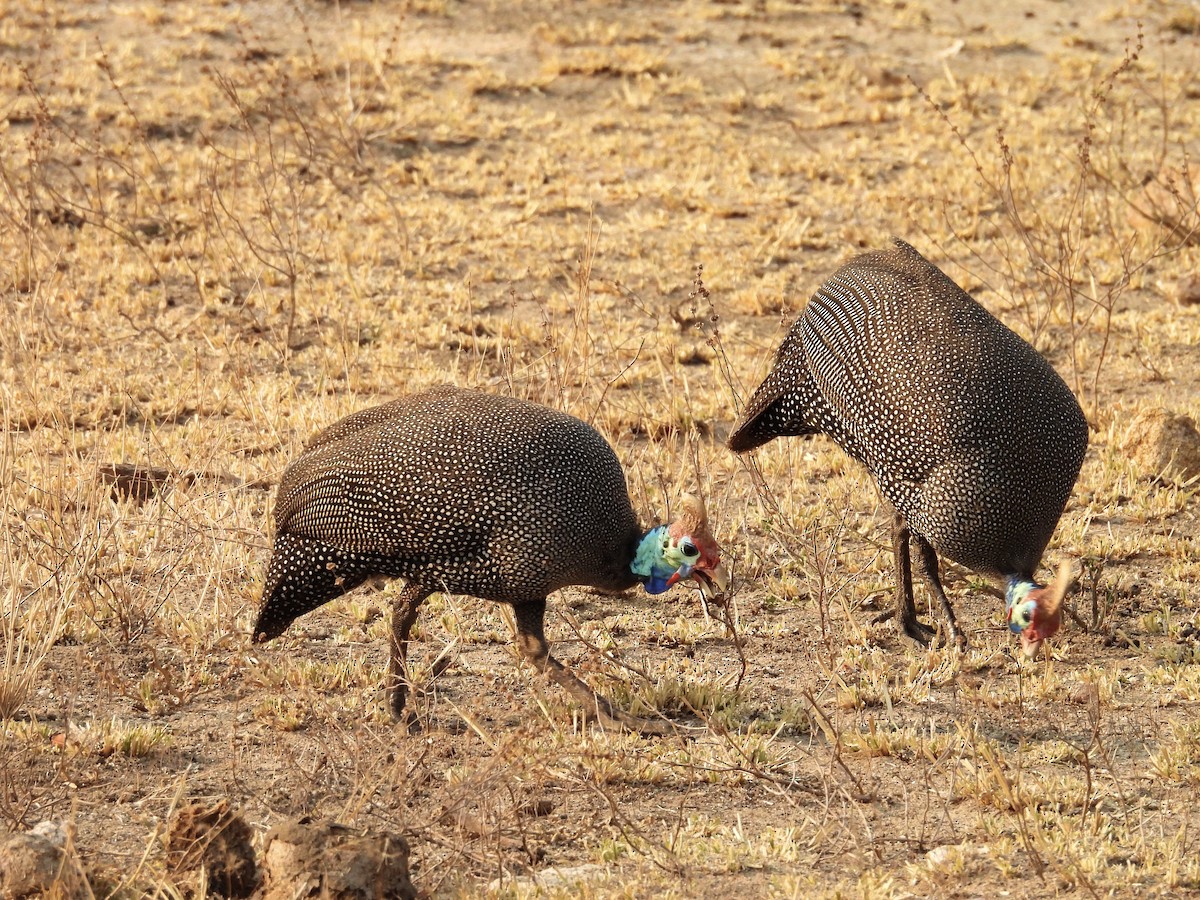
x=684, y=549
x=662, y=560
x=1021, y=607
x=682, y=553
x=1034, y=611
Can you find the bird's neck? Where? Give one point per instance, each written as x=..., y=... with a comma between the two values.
x=648, y=563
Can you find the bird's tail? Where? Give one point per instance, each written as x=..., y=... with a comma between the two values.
x=786, y=404
x=305, y=573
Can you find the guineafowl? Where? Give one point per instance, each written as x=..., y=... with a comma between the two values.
x=973, y=438
x=471, y=493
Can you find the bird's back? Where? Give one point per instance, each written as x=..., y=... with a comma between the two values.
x=970, y=433
x=468, y=492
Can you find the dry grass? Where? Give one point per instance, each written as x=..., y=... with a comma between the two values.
x=226, y=226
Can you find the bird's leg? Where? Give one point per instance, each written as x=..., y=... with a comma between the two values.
x=929, y=569
x=404, y=614
x=905, y=604
x=531, y=641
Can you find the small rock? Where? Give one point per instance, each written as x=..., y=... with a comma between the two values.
x=949, y=854
x=55, y=832
x=1187, y=291
x=131, y=481
x=542, y=806
x=1164, y=444
x=1085, y=694
x=329, y=861
x=212, y=837
x=882, y=76
x=38, y=863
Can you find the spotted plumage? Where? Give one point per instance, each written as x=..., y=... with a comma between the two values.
x=468, y=493
x=972, y=436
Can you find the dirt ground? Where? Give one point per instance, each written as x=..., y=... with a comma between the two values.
x=227, y=225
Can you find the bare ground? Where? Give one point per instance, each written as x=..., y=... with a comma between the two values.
x=226, y=226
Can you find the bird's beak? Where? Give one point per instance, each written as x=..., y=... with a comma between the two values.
x=714, y=582
x=1030, y=646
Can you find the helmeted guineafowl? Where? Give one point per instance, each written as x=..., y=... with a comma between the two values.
x=471, y=493
x=973, y=437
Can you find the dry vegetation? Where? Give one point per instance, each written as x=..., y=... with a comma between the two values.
x=224, y=226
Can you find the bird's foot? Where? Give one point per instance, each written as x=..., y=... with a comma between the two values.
x=601, y=710
x=659, y=727
x=408, y=721
x=927, y=637
x=920, y=632
x=917, y=630
x=397, y=697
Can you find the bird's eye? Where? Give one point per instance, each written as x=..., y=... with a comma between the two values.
x=688, y=549
x=1020, y=616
